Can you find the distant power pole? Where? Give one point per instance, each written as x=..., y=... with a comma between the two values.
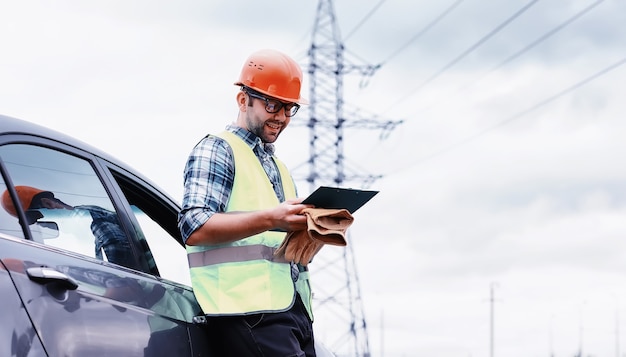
x=491, y=318
x=337, y=296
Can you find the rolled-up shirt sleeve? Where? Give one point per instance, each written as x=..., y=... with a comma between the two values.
x=208, y=181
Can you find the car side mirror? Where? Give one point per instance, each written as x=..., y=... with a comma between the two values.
x=48, y=229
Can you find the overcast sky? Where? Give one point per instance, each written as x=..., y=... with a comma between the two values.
x=507, y=174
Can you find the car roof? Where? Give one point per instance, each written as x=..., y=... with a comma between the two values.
x=11, y=125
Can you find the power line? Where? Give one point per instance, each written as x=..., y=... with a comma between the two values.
x=406, y=45
x=473, y=47
x=515, y=116
x=539, y=40
x=364, y=20
x=423, y=31
x=526, y=48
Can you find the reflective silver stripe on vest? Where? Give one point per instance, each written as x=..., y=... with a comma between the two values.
x=233, y=255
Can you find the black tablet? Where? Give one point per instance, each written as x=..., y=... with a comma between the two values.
x=334, y=197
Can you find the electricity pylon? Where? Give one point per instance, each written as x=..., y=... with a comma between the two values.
x=337, y=297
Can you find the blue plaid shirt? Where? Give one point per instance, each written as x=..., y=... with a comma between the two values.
x=209, y=175
x=109, y=236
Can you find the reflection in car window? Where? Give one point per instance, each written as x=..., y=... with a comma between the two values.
x=58, y=191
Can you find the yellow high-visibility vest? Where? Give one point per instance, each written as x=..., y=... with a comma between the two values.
x=244, y=277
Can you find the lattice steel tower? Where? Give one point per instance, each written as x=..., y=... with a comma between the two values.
x=337, y=296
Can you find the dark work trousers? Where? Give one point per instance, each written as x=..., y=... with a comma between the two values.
x=281, y=334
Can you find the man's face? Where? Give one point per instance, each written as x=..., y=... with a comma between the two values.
x=54, y=203
x=49, y=202
x=266, y=126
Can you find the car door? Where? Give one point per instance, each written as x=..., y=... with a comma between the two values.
x=17, y=338
x=85, y=271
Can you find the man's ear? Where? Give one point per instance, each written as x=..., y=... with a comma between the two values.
x=242, y=101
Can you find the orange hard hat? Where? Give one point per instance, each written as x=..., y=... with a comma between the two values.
x=25, y=194
x=273, y=73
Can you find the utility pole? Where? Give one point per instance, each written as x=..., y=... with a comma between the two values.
x=551, y=336
x=616, y=333
x=491, y=318
x=616, y=326
x=337, y=296
x=581, y=328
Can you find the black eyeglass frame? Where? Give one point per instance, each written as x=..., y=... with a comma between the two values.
x=273, y=106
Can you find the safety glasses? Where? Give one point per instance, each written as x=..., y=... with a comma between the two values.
x=273, y=106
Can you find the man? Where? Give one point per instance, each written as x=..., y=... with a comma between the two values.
x=238, y=202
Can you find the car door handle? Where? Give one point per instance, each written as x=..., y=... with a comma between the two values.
x=43, y=275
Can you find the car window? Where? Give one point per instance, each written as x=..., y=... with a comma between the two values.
x=66, y=203
x=158, y=222
x=170, y=257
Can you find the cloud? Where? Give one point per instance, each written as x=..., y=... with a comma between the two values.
x=506, y=169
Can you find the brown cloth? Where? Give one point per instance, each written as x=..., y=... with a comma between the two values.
x=324, y=226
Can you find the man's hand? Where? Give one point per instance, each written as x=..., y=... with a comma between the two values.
x=288, y=216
